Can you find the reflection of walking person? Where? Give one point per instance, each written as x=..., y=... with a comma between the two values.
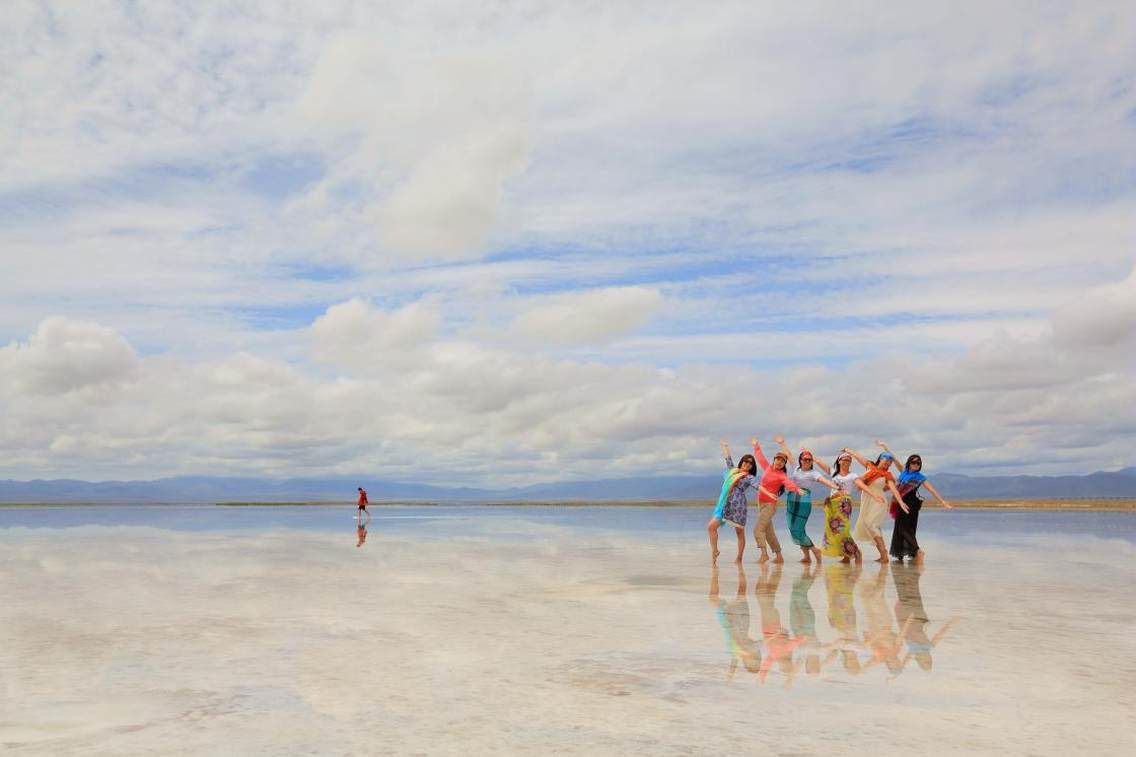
x=361, y=534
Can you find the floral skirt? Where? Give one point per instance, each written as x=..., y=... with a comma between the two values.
x=838, y=541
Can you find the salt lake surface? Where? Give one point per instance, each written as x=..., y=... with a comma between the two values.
x=469, y=630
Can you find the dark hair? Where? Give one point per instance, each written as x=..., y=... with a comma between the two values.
x=910, y=460
x=360, y=488
x=802, y=454
x=748, y=458
x=881, y=457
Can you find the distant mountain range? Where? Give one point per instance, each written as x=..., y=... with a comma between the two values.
x=195, y=489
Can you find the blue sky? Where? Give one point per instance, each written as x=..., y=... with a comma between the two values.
x=571, y=243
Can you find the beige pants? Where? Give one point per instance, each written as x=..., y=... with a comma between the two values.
x=763, y=531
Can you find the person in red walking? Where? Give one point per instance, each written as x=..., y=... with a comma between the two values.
x=363, y=503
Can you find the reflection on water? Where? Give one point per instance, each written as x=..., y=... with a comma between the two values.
x=886, y=640
x=545, y=632
x=913, y=618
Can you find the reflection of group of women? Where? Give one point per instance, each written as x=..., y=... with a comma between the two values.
x=882, y=642
x=798, y=483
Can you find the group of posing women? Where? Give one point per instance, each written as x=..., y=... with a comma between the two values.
x=799, y=482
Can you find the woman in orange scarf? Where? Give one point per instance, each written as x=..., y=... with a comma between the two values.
x=873, y=508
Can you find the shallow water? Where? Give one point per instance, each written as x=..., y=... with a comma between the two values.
x=191, y=630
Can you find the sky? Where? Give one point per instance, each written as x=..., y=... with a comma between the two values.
x=496, y=243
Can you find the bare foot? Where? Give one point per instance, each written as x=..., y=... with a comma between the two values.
x=806, y=560
x=859, y=559
x=844, y=561
x=816, y=554
x=919, y=557
x=778, y=559
x=714, y=556
x=764, y=558
x=738, y=559
x=883, y=558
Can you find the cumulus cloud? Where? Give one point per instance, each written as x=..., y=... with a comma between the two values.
x=588, y=317
x=439, y=136
x=354, y=333
x=65, y=356
x=1104, y=317
x=869, y=240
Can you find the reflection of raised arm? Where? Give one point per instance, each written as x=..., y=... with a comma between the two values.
x=943, y=631
x=943, y=502
x=860, y=485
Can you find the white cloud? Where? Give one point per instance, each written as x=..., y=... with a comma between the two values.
x=588, y=317
x=64, y=356
x=439, y=136
x=774, y=193
x=355, y=334
x=1104, y=317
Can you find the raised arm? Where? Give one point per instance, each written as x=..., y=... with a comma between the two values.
x=858, y=457
x=894, y=460
x=758, y=454
x=726, y=453
x=781, y=443
x=943, y=502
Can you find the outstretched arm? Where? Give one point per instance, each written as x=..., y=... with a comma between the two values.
x=860, y=485
x=827, y=482
x=726, y=454
x=898, y=499
x=823, y=465
x=943, y=502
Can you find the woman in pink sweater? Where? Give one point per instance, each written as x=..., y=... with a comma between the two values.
x=774, y=480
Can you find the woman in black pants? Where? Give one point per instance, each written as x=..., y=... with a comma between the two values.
x=903, y=541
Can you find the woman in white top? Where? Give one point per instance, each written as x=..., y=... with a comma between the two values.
x=838, y=541
x=798, y=505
